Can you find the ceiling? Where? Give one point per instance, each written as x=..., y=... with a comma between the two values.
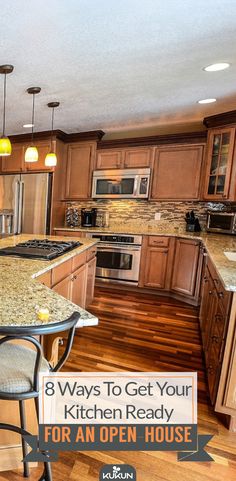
x=117, y=64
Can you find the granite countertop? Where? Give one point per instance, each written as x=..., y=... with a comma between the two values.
x=215, y=244
x=21, y=293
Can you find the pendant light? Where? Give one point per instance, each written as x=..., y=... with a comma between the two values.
x=51, y=158
x=31, y=153
x=5, y=144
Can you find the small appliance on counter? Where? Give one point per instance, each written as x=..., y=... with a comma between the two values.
x=192, y=222
x=72, y=216
x=88, y=217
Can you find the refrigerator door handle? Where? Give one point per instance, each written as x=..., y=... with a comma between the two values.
x=16, y=207
x=20, y=211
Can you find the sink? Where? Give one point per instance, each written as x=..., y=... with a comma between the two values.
x=231, y=256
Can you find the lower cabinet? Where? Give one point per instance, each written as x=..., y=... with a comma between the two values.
x=155, y=262
x=214, y=316
x=185, y=267
x=74, y=279
x=171, y=264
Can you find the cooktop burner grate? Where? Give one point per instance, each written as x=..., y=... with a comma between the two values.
x=40, y=249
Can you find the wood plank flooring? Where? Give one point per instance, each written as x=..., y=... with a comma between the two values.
x=144, y=333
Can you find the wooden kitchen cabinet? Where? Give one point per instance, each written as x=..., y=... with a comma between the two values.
x=43, y=148
x=133, y=158
x=64, y=288
x=15, y=162
x=219, y=181
x=185, y=267
x=214, y=317
x=155, y=262
x=80, y=163
x=91, y=266
x=138, y=157
x=79, y=286
x=177, y=172
x=110, y=159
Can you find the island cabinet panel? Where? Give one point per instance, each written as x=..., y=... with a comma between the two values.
x=214, y=317
x=61, y=271
x=46, y=279
x=80, y=163
x=220, y=165
x=185, y=267
x=155, y=265
x=90, y=281
x=177, y=172
x=15, y=162
x=79, y=286
x=64, y=287
x=110, y=159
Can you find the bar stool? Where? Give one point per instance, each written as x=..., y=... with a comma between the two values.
x=19, y=371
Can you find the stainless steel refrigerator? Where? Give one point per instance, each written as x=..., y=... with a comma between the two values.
x=28, y=196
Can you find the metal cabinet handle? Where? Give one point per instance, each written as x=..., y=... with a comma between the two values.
x=221, y=295
x=215, y=339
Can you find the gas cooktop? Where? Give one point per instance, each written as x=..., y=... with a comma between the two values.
x=40, y=249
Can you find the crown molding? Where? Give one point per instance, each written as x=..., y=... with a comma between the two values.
x=180, y=138
x=95, y=135
x=219, y=120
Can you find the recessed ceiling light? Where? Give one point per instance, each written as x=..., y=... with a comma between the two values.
x=28, y=126
x=215, y=67
x=206, y=101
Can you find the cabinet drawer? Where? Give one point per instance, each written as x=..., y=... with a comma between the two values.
x=61, y=271
x=158, y=241
x=91, y=253
x=69, y=233
x=78, y=261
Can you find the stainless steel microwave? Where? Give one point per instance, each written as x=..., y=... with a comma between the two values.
x=121, y=184
x=224, y=222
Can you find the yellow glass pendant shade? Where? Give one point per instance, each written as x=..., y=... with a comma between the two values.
x=31, y=154
x=5, y=146
x=51, y=159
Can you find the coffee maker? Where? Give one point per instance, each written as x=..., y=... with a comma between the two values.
x=88, y=217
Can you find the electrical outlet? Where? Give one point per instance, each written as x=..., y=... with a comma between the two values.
x=157, y=216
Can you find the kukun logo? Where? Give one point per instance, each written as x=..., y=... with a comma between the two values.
x=122, y=471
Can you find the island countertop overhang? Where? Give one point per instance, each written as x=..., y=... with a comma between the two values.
x=22, y=293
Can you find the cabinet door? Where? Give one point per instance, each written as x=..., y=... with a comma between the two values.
x=207, y=307
x=136, y=158
x=110, y=159
x=14, y=163
x=91, y=266
x=80, y=162
x=64, y=288
x=176, y=173
x=43, y=149
x=79, y=286
x=185, y=267
x=219, y=163
x=156, y=267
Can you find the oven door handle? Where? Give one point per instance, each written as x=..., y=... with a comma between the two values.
x=115, y=247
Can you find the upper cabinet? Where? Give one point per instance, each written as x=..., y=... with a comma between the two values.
x=80, y=164
x=15, y=163
x=219, y=164
x=133, y=158
x=177, y=172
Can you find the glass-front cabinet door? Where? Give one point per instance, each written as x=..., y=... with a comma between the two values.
x=219, y=163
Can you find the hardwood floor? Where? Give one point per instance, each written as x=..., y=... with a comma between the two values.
x=144, y=333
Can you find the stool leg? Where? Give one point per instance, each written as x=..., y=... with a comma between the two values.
x=47, y=474
x=24, y=444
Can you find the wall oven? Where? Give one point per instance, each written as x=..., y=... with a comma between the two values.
x=118, y=257
x=121, y=184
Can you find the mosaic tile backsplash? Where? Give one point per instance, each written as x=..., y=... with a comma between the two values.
x=141, y=211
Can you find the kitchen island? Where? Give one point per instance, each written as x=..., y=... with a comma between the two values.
x=22, y=294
